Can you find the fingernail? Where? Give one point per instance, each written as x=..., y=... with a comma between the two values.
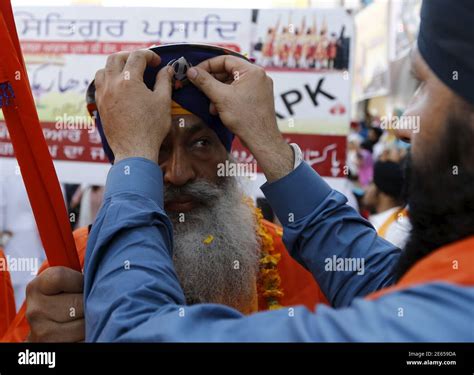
x=192, y=73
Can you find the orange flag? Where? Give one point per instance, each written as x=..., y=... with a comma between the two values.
x=7, y=300
x=31, y=150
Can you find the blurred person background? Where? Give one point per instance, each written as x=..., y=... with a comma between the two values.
x=384, y=200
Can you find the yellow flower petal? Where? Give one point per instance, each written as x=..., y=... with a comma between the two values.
x=208, y=239
x=270, y=259
x=276, y=306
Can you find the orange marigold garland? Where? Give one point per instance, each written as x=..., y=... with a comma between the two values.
x=269, y=282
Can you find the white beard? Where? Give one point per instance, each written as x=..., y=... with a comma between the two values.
x=225, y=270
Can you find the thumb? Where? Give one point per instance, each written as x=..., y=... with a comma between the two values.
x=211, y=87
x=163, y=81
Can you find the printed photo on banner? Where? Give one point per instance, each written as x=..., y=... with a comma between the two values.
x=306, y=40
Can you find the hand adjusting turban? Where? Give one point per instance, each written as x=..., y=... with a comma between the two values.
x=186, y=97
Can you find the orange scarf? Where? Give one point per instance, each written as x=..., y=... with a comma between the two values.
x=397, y=215
x=453, y=263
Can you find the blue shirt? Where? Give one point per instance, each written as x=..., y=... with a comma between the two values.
x=132, y=292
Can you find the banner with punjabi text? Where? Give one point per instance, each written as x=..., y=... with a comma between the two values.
x=65, y=46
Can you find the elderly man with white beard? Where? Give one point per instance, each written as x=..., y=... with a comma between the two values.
x=223, y=250
x=203, y=257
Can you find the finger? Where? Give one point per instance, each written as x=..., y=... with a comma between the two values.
x=205, y=82
x=58, y=332
x=225, y=64
x=99, y=84
x=163, y=81
x=75, y=331
x=223, y=77
x=54, y=280
x=62, y=308
x=99, y=79
x=138, y=61
x=116, y=62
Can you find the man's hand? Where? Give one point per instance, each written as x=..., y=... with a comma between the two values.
x=242, y=94
x=54, y=306
x=135, y=119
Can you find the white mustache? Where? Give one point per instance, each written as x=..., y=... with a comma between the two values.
x=200, y=190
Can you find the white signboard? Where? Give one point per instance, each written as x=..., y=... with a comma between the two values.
x=65, y=46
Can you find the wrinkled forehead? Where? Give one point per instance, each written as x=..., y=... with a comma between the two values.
x=185, y=125
x=185, y=119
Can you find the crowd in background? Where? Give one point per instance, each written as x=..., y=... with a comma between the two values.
x=376, y=165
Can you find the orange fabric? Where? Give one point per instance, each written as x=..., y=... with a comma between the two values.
x=19, y=328
x=395, y=216
x=298, y=285
x=453, y=263
x=7, y=299
x=32, y=154
x=31, y=150
x=177, y=110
